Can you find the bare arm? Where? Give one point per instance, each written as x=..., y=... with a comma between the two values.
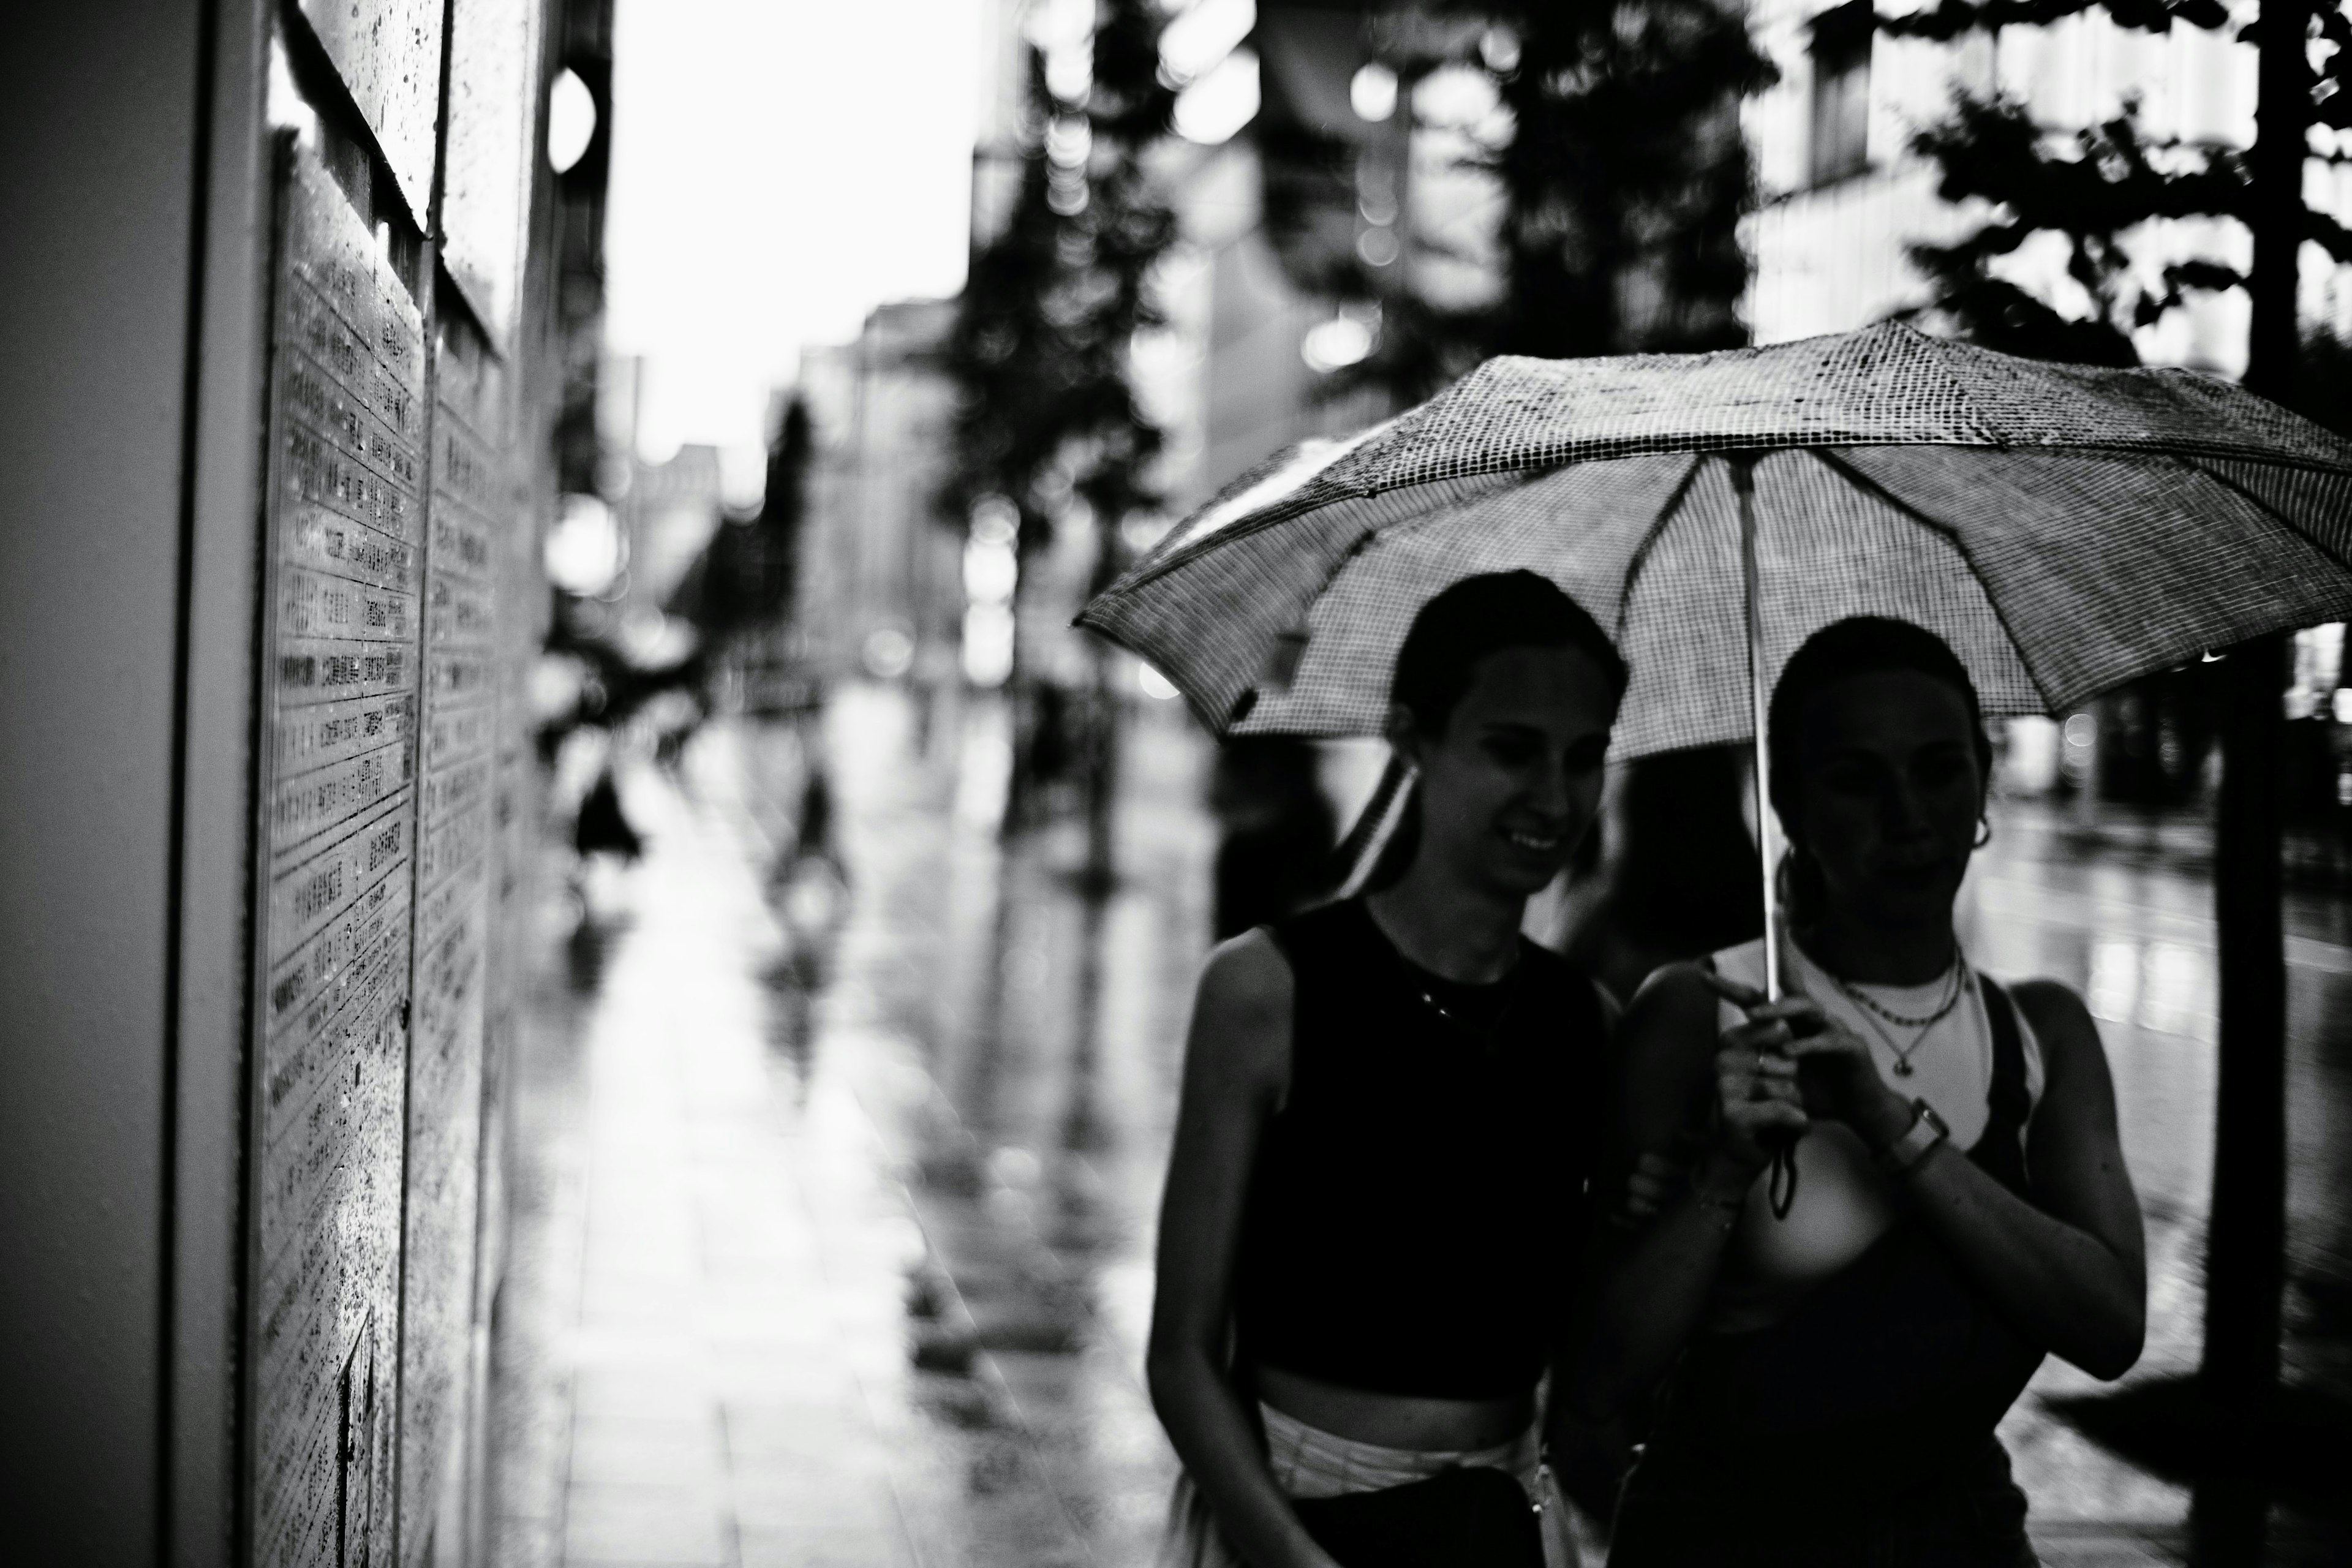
x=2068, y=1267
x=1650, y=1285
x=1237, y=1067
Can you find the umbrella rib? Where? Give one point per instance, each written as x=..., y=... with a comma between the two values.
x=1939, y=353
x=2235, y=488
x=1298, y=502
x=1863, y=483
x=1641, y=557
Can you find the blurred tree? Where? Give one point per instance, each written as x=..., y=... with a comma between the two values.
x=2095, y=190
x=1624, y=174
x=1626, y=177
x=1048, y=418
x=2324, y=393
x=2092, y=189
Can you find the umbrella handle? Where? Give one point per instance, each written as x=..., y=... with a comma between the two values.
x=1780, y=1188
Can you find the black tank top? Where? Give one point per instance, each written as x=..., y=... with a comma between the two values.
x=1887, y=1379
x=1418, y=1207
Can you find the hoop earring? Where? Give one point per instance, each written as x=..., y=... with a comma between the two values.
x=1984, y=833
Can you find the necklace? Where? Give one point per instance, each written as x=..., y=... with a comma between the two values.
x=1879, y=1017
x=1483, y=1033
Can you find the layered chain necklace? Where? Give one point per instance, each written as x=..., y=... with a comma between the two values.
x=1885, y=1021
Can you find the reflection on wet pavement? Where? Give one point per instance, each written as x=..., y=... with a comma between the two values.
x=2133, y=934
x=836, y=1205
x=837, y=1172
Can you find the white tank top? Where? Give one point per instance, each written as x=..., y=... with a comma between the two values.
x=1843, y=1201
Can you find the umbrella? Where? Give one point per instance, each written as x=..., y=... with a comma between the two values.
x=2063, y=528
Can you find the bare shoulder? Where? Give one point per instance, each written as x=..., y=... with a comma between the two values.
x=1248, y=974
x=1674, y=1011
x=2061, y=1022
x=1241, y=1013
x=1667, y=1041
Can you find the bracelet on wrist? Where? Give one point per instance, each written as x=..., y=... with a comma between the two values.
x=1927, y=1130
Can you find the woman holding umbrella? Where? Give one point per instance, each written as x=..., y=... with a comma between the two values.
x=2060, y=530
x=1962, y=1203
x=1374, y=1203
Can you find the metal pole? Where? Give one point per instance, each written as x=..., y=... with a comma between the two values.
x=1743, y=485
x=1781, y=1186
x=2246, y=1228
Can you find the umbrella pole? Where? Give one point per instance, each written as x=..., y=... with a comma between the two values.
x=1743, y=485
x=1781, y=1186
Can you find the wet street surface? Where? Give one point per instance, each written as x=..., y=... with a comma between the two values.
x=835, y=1176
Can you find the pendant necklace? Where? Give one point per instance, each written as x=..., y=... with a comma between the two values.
x=1484, y=1035
x=1879, y=1017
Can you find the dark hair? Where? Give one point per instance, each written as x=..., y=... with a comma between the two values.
x=1484, y=615
x=1460, y=626
x=1861, y=645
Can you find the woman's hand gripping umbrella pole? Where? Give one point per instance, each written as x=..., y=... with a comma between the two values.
x=2060, y=529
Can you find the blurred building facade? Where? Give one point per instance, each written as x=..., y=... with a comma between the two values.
x=880, y=576
x=310, y=320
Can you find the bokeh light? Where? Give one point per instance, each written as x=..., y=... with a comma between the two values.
x=889, y=653
x=1343, y=341
x=1213, y=108
x=991, y=571
x=1373, y=93
x=571, y=121
x=1201, y=36
x=988, y=645
x=585, y=550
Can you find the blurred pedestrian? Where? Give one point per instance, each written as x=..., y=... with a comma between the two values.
x=1375, y=1204
x=812, y=830
x=1275, y=831
x=1679, y=879
x=809, y=881
x=1838, y=1367
x=601, y=827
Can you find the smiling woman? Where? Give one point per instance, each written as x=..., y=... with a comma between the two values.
x=1377, y=1194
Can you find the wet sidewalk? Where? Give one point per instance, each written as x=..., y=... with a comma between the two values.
x=834, y=1203
x=774, y=1301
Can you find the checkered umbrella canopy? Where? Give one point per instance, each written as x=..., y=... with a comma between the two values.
x=2063, y=528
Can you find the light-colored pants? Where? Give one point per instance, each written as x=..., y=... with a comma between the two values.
x=1308, y=1462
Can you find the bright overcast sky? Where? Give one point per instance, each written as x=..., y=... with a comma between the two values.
x=778, y=169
